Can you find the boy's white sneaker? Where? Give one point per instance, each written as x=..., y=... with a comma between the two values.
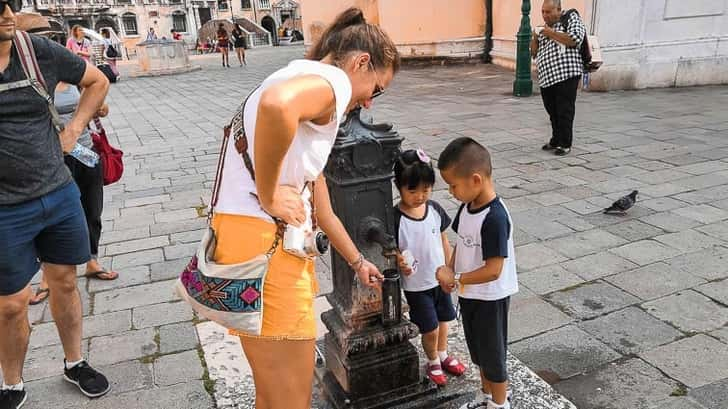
x=480, y=401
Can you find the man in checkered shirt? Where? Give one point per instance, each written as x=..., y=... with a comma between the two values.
x=555, y=47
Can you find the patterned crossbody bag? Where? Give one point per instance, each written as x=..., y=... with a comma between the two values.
x=229, y=294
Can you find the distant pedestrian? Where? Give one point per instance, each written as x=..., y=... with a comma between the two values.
x=555, y=47
x=239, y=43
x=79, y=44
x=151, y=35
x=223, y=44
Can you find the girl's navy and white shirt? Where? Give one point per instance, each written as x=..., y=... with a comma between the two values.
x=423, y=238
x=484, y=233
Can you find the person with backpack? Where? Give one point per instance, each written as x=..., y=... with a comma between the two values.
x=41, y=216
x=556, y=46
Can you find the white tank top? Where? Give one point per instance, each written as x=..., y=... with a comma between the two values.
x=307, y=155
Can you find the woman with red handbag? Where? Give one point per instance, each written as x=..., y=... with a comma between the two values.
x=90, y=182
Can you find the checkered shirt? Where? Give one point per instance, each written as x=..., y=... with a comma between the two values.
x=557, y=62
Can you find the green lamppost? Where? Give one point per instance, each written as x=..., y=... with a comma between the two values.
x=523, y=86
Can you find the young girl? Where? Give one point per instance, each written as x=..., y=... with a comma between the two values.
x=420, y=224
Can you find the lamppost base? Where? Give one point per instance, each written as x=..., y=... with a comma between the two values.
x=522, y=88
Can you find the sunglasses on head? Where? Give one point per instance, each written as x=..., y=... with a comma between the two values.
x=15, y=5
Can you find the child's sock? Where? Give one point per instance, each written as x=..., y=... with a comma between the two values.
x=16, y=387
x=442, y=354
x=435, y=362
x=493, y=405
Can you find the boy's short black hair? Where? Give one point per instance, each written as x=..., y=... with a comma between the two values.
x=466, y=157
x=410, y=171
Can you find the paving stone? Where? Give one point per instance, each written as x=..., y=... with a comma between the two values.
x=688, y=240
x=177, y=368
x=128, y=277
x=584, y=243
x=654, y=281
x=583, y=207
x=177, y=337
x=53, y=392
x=141, y=201
x=535, y=255
x=161, y=314
x=695, y=361
x=175, y=215
x=138, y=258
x=645, y=252
x=717, y=230
x=634, y=230
x=123, y=235
x=45, y=362
x=721, y=334
x=717, y=290
x=689, y=311
x=539, y=228
x=191, y=395
x=702, y=213
x=662, y=204
x=530, y=316
x=547, y=199
x=125, y=298
x=591, y=299
x=93, y=326
x=128, y=376
x=630, y=330
x=130, y=246
x=549, y=279
x=180, y=251
x=710, y=264
x=682, y=402
x=564, y=352
x=632, y=384
x=121, y=347
x=159, y=229
x=714, y=395
x=168, y=269
x=670, y=222
x=598, y=265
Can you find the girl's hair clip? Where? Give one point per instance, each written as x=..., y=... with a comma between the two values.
x=423, y=156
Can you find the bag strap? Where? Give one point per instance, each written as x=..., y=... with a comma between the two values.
x=26, y=52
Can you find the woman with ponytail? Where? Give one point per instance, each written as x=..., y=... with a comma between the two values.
x=290, y=123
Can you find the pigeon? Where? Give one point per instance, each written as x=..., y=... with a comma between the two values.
x=622, y=204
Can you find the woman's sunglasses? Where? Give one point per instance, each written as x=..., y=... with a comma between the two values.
x=15, y=5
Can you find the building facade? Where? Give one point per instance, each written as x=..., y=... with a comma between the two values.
x=644, y=43
x=132, y=19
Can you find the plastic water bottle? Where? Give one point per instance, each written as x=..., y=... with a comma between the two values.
x=85, y=155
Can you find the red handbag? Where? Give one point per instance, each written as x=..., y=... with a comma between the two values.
x=111, y=161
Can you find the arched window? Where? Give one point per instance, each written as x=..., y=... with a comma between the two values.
x=179, y=22
x=129, y=21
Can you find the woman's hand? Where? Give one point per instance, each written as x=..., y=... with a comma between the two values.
x=287, y=205
x=369, y=274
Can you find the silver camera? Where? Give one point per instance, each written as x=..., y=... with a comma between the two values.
x=305, y=243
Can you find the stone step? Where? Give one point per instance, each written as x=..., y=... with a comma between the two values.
x=229, y=369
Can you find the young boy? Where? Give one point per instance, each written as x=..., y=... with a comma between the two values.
x=483, y=265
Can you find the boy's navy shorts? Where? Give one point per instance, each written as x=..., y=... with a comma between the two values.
x=486, y=332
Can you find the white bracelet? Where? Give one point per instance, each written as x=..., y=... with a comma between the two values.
x=358, y=262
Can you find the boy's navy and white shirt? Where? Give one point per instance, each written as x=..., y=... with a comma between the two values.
x=422, y=237
x=481, y=234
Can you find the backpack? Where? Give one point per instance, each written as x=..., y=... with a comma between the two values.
x=585, y=48
x=110, y=157
x=111, y=51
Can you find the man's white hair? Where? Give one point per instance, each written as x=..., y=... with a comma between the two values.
x=556, y=3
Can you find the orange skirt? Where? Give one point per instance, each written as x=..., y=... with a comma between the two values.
x=290, y=284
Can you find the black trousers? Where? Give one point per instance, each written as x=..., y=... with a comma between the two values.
x=90, y=182
x=560, y=103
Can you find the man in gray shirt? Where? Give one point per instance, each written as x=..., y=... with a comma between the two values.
x=41, y=218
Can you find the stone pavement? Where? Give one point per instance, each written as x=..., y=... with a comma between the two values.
x=615, y=311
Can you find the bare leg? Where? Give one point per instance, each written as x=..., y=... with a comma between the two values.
x=442, y=337
x=429, y=344
x=16, y=332
x=282, y=371
x=499, y=391
x=65, y=303
x=484, y=382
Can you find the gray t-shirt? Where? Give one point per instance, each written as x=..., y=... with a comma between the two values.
x=66, y=103
x=31, y=160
